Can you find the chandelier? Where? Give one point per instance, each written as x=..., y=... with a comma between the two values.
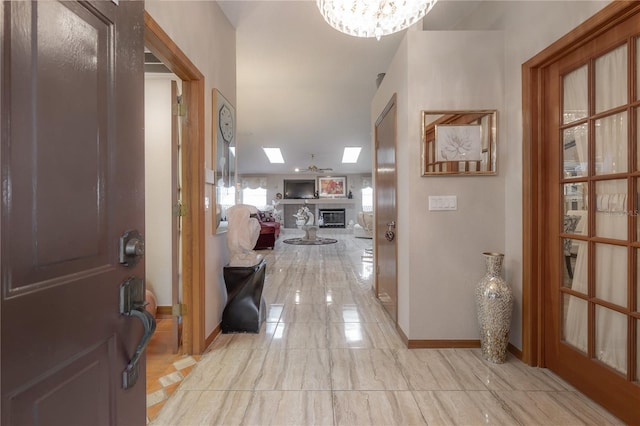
x=373, y=18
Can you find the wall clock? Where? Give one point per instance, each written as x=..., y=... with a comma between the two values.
x=225, y=123
x=224, y=129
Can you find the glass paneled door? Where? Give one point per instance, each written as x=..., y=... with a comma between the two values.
x=592, y=323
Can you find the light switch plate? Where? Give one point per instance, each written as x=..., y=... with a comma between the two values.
x=443, y=202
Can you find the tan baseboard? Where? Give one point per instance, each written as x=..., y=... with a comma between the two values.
x=209, y=340
x=442, y=344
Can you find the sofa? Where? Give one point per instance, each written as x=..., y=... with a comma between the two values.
x=269, y=230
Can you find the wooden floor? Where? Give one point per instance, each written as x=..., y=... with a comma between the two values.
x=165, y=370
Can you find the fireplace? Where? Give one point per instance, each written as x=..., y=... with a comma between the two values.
x=331, y=218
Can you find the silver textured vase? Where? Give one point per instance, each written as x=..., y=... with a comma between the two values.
x=494, y=302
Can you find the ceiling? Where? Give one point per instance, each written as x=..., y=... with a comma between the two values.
x=306, y=88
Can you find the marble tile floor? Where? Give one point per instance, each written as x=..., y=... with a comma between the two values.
x=329, y=355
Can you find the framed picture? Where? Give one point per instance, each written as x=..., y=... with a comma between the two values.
x=332, y=186
x=458, y=142
x=224, y=141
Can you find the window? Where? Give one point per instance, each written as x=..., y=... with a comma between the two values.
x=226, y=198
x=255, y=197
x=367, y=199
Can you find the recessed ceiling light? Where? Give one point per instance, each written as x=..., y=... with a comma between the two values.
x=351, y=154
x=274, y=155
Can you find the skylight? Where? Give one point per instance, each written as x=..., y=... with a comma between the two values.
x=351, y=154
x=274, y=155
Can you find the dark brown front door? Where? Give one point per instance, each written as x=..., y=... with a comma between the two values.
x=72, y=183
x=385, y=210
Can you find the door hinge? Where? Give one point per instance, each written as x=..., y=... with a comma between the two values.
x=179, y=309
x=180, y=210
x=179, y=109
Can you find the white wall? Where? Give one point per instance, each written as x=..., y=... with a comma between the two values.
x=529, y=26
x=524, y=38
x=204, y=34
x=157, y=149
x=439, y=253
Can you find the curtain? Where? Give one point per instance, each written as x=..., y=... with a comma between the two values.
x=610, y=210
x=254, y=182
x=366, y=182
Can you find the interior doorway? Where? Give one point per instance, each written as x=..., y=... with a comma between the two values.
x=163, y=114
x=583, y=233
x=158, y=42
x=184, y=185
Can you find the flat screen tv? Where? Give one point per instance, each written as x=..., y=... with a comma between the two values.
x=299, y=189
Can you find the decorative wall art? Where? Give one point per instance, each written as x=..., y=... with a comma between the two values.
x=332, y=186
x=459, y=143
x=224, y=130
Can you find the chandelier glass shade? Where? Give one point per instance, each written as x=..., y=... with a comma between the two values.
x=373, y=18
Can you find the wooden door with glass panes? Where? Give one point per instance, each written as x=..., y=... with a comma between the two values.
x=592, y=239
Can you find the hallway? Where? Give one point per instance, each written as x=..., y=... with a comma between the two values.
x=328, y=355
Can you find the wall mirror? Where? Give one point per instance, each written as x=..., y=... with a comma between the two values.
x=459, y=142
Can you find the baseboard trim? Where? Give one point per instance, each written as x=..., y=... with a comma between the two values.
x=164, y=311
x=442, y=344
x=403, y=336
x=209, y=340
x=515, y=351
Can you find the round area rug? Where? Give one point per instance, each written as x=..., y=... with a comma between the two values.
x=317, y=242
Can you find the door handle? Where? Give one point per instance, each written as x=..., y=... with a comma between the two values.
x=390, y=235
x=132, y=303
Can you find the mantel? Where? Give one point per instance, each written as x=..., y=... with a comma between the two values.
x=318, y=201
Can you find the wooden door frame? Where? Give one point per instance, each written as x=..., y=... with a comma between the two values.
x=176, y=122
x=534, y=169
x=193, y=223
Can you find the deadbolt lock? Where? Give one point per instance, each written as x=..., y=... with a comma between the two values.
x=131, y=248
